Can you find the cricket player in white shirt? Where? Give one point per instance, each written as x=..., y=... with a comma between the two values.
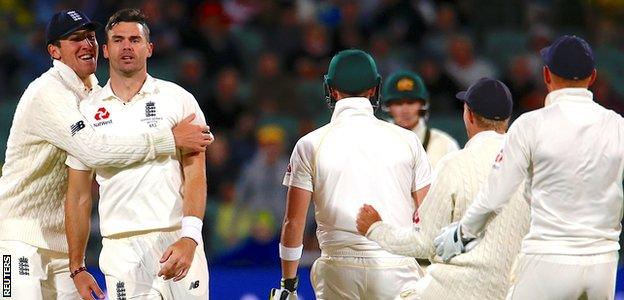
x=150, y=213
x=405, y=97
x=487, y=108
x=47, y=123
x=355, y=159
x=572, y=153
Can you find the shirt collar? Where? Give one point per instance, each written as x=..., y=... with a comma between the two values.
x=488, y=134
x=352, y=106
x=569, y=94
x=148, y=87
x=71, y=78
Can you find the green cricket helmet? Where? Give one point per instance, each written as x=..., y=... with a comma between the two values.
x=405, y=85
x=351, y=71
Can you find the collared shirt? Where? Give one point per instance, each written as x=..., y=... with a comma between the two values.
x=439, y=143
x=353, y=160
x=145, y=196
x=46, y=125
x=572, y=153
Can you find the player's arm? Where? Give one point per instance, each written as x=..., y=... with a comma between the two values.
x=58, y=120
x=435, y=212
x=77, y=227
x=299, y=180
x=419, y=195
x=291, y=241
x=297, y=202
x=178, y=257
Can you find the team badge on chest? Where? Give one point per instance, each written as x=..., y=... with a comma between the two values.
x=151, y=117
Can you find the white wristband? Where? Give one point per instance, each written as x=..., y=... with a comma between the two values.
x=192, y=228
x=287, y=253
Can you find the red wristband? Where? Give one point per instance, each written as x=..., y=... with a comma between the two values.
x=76, y=272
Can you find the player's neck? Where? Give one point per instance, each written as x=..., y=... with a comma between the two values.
x=125, y=87
x=87, y=82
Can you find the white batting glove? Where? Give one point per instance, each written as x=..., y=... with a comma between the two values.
x=449, y=243
x=287, y=290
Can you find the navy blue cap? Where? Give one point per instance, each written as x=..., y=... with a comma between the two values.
x=569, y=57
x=488, y=98
x=65, y=22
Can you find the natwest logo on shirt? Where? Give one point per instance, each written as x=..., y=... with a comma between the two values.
x=102, y=114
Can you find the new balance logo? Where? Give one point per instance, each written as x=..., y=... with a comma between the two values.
x=74, y=15
x=121, y=290
x=194, y=285
x=150, y=109
x=6, y=275
x=76, y=127
x=24, y=269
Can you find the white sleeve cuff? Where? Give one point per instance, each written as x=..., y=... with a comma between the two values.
x=372, y=227
x=76, y=164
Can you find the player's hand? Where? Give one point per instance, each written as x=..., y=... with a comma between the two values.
x=366, y=217
x=177, y=259
x=287, y=290
x=190, y=137
x=449, y=243
x=87, y=287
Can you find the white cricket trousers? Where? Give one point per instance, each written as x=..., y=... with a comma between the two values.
x=363, y=277
x=563, y=276
x=35, y=273
x=131, y=266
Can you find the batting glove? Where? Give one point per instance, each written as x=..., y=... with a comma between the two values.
x=287, y=290
x=449, y=242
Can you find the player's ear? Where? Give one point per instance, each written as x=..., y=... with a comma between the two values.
x=471, y=116
x=546, y=74
x=372, y=92
x=592, y=78
x=105, y=51
x=333, y=93
x=150, y=49
x=54, y=51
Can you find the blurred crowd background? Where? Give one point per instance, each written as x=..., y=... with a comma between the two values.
x=256, y=66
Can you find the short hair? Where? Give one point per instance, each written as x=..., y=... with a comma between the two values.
x=489, y=124
x=580, y=83
x=132, y=15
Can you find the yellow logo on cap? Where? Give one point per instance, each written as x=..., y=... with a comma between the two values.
x=405, y=85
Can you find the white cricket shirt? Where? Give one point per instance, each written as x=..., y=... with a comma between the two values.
x=47, y=123
x=353, y=160
x=572, y=153
x=145, y=196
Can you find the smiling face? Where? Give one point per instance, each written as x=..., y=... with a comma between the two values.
x=127, y=48
x=78, y=51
